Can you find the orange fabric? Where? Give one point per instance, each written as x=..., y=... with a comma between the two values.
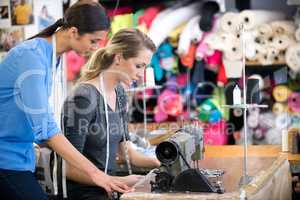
x=189, y=59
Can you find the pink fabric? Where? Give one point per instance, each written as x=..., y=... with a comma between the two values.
x=119, y=11
x=222, y=78
x=169, y=103
x=149, y=15
x=214, y=60
x=215, y=133
x=182, y=79
x=294, y=102
x=74, y=64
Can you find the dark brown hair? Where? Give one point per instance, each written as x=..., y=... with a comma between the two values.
x=87, y=16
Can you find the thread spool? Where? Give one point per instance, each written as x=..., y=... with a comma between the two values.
x=279, y=108
x=281, y=93
x=294, y=101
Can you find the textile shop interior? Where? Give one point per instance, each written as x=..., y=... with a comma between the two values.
x=219, y=103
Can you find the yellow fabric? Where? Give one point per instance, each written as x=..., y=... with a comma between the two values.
x=121, y=21
x=22, y=13
x=174, y=35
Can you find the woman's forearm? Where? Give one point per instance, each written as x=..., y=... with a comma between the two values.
x=76, y=175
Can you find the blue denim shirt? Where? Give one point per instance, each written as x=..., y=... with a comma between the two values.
x=25, y=114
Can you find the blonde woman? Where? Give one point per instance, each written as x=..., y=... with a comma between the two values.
x=99, y=100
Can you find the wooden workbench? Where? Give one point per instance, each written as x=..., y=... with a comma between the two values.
x=266, y=164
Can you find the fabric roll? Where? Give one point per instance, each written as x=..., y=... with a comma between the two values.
x=279, y=108
x=233, y=68
x=268, y=58
x=292, y=57
x=196, y=34
x=294, y=101
x=253, y=18
x=281, y=93
x=162, y=28
x=189, y=58
x=174, y=35
x=234, y=50
x=160, y=16
x=282, y=42
x=229, y=22
x=250, y=45
x=297, y=34
x=283, y=27
x=264, y=30
x=185, y=37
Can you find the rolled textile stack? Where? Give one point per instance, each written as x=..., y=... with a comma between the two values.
x=185, y=38
x=282, y=42
x=292, y=57
x=169, y=21
x=264, y=30
x=283, y=27
x=253, y=18
x=229, y=22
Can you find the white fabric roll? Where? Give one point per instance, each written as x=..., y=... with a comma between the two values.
x=219, y=40
x=250, y=45
x=233, y=50
x=185, y=37
x=282, y=42
x=264, y=30
x=283, y=27
x=229, y=22
x=297, y=34
x=160, y=31
x=292, y=57
x=160, y=16
x=269, y=57
x=233, y=68
x=254, y=18
x=196, y=34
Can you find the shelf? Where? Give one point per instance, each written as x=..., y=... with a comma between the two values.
x=253, y=63
x=245, y=106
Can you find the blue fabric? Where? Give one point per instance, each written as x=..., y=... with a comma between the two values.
x=16, y=185
x=25, y=116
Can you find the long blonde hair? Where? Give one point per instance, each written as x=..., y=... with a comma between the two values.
x=127, y=42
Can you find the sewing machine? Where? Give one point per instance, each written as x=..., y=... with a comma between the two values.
x=183, y=147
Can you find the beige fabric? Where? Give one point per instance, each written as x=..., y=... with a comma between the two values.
x=271, y=181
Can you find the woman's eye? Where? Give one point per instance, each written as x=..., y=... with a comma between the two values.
x=94, y=41
x=138, y=66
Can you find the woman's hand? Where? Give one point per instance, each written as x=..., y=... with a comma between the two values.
x=131, y=179
x=110, y=183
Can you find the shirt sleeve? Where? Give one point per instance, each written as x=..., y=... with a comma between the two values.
x=77, y=116
x=33, y=90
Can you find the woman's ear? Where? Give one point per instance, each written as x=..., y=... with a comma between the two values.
x=118, y=58
x=73, y=32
